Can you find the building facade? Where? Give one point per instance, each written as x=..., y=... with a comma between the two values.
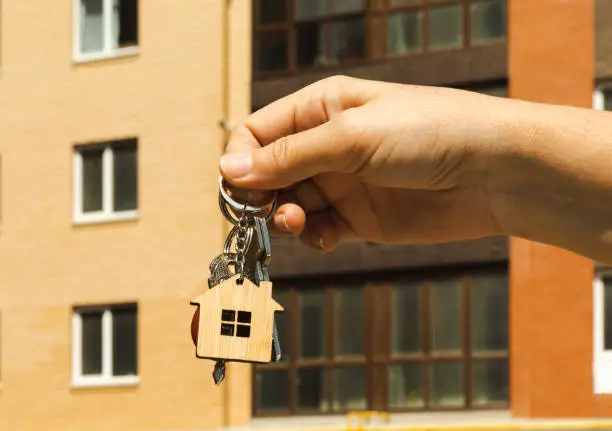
x=430, y=328
x=113, y=115
x=109, y=118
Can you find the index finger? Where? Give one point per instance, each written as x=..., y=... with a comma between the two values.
x=305, y=109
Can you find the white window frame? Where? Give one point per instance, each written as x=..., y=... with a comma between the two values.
x=107, y=51
x=599, y=97
x=107, y=213
x=106, y=378
x=602, y=358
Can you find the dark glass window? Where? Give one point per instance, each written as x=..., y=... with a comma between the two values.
x=108, y=177
x=328, y=33
x=108, y=341
x=271, y=51
x=488, y=19
x=419, y=342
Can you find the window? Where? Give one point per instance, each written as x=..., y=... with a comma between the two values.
x=602, y=97
x=602, y=333
x=293, y=35
x=106, y=181
x=399, y=344
x=105, y=345
x=497, y=89
x=105, y=28
x=488, y=18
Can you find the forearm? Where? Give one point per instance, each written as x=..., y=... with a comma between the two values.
x=556, y=186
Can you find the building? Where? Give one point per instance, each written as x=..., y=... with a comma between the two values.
x=440, y=327
x=113, y=115
x=109, y=117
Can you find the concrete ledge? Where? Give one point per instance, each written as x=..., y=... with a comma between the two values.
x=427, y=421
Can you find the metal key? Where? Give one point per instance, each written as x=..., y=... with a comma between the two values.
x=264, y=255
x=251, y=257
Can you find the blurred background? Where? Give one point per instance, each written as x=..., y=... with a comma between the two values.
x=113, y=116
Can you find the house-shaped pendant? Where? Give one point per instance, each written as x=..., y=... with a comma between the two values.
x=236, y=321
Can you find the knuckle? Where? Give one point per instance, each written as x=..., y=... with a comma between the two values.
x=280, y=152
x=353, y=143
x=336, y=80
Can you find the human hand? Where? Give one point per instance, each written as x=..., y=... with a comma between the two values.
x=384, y=162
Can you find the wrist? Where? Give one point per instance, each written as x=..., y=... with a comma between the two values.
x=548, y=180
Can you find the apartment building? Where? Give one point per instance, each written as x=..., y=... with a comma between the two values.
x=113, y=115
x=430, y=328
x=110, y=140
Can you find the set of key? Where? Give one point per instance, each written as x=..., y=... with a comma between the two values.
x=236, y=315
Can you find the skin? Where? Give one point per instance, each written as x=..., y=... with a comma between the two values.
x=404, y=164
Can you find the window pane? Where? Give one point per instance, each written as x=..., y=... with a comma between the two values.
x=311, y=42
x=312, y=320
x=92, y=180
x=125, y=177
x=349, y=388
x=488, y=20
x=91, y=343
x=446, y=384
x=270, y=11
x=404, y=32
x=406, y=324
x=124, y=342
x=91, y=26
x=308, y=9
x=608, y=315
x=125, y=23
x=283, y=321
x=446, y=315
x=404, y=2
x=348, y=39
x=445, y=29
x=405, y=386
x=348, y=6
x=498, y=91
x=489, y=312
x=312, y=390
x=272, y=390
x=490, y=381
x=349, y=320
x=607, y=94
x=271, y=50
x=321, y=44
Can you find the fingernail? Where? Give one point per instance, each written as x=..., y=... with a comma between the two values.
x=236, y=165
x=321, y=244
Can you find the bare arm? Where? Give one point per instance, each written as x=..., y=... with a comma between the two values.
x=408, y=164
x=554, y=183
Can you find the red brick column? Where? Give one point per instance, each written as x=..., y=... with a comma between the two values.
x=551, y=59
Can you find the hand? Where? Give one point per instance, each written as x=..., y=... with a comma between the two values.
x=384, y=162
x=405, y=164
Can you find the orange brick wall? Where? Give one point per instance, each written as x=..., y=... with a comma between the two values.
x=551, y=60
x=171, y=96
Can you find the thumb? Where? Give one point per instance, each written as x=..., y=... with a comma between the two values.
x=290, y=159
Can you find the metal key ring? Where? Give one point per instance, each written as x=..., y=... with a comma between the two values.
x=226, y=201
x=230, y=237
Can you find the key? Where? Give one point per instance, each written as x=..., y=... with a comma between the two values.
x=264, y=250
x=219, y=371
x=235, y=324
x=264, y=256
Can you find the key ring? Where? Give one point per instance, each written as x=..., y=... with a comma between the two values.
x=226, y=203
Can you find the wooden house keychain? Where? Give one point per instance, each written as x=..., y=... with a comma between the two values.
x=235, y=316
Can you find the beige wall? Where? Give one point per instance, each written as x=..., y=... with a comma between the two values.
x=170, y=96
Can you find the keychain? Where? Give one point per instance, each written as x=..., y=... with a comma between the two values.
x=235, y=316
